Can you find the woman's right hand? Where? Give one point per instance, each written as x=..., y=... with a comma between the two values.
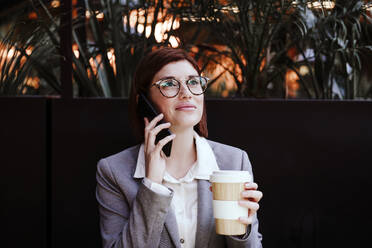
x=154, y=156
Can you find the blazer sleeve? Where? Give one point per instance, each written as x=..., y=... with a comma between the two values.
x=252, y=239
x=122, y=225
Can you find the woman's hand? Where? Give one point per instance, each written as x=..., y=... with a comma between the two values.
x=251, y=197
x=154, y=156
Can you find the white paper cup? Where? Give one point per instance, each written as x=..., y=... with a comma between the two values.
x=227, y=186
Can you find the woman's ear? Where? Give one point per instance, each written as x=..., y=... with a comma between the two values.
x=137, y=98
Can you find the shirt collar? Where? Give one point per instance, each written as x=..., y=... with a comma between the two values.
x=205, y=164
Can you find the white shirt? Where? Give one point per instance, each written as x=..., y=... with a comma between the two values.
x=185, y=198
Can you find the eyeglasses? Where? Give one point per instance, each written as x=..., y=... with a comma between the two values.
x=170, y=87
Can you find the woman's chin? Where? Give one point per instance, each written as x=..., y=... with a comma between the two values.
x=183, y=125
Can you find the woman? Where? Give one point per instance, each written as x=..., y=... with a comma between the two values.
x=147, y=199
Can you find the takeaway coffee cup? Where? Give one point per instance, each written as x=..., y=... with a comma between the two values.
x=227, y=186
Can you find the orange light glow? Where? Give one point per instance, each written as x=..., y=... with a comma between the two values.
x=291, y=83
x=55, y=4
x=33, y=82
x=74, y=13
x=111, y=57
x=32, y=16
x=263, y=63
x=220, y=68
x=75, y=49
x=96, y=63
x=99, y=15
x=164, y=23
x=174, y=41
x=29, y=51
x=321, y=4
x=10, y=56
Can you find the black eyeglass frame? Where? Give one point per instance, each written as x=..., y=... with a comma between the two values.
x=179, y=88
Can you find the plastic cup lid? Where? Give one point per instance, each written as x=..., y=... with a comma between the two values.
x=230, y=176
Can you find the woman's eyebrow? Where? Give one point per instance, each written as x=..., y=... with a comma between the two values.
x=171, y=77
x=190, y=76
x=168, y=77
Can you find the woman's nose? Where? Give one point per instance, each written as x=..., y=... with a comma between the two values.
x=184, y=91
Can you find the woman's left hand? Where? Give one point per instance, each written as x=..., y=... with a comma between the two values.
x=251, y=196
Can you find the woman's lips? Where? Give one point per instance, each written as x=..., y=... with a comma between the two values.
x=186, y=107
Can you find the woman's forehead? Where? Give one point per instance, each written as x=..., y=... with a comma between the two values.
x=179, y=69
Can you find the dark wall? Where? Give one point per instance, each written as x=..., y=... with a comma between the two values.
x=23, y=173
x=83, y=131
x=311, y=160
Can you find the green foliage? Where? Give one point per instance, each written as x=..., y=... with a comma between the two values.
x=327, y=48
x=256, y=36
x=93, y=74
x=26, y=54
x=267, y=39
x=331, y=47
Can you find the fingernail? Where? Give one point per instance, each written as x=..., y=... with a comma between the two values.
x=247, y=184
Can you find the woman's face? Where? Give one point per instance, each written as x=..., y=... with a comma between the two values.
x=184, y=110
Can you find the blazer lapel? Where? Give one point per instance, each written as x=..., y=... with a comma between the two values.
x=171, y=225
x=170, y=220
x=205, y=214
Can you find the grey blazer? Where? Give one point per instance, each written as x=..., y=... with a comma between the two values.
x=131, y=215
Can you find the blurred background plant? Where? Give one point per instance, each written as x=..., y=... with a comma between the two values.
x=254, y=39
x=257, y=49
x=28, y=59
x=331, y=58
x=109, y=38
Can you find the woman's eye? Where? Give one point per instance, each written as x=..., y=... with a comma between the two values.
x=193, y=82
x=167, y=84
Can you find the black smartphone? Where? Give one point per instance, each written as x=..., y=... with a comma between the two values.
x=146, y=109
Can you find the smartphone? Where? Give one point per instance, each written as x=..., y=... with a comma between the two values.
x=146, y=109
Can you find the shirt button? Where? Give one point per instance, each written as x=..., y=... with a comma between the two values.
x=182, y=241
